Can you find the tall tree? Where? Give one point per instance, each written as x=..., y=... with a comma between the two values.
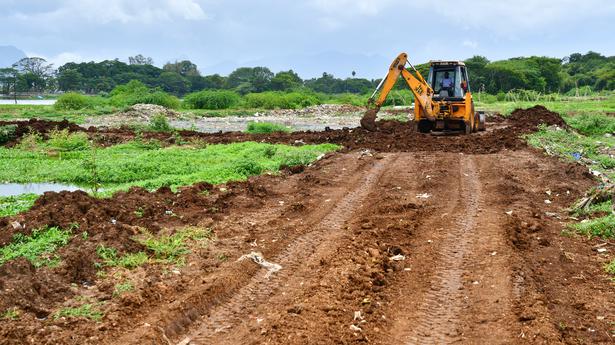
x=140, y=60
x=184, y=68
x=34, y=72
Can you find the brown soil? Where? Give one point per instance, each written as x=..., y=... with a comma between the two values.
x=411, y=242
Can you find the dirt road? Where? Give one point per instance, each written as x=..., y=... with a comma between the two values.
x=424, y=247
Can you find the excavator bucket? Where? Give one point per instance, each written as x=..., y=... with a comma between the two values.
x=368, y=121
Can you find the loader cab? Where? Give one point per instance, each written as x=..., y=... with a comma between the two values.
x=449, y=80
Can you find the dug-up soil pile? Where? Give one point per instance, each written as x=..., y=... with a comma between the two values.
x=391, y=135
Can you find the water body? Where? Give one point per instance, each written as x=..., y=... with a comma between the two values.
x=13, y=189
x=28, y=101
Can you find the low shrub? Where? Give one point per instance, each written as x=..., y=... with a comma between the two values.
x=7, y=133
x=211, y=99
x=63, y=140
x=72, y=101
x=159, y=123
x=38, y=248
x=266, y=127
x=136, y=92
x=603, y=227
x=280, y=100
x=592, y=124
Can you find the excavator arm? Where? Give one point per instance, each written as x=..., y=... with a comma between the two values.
x=417, y=85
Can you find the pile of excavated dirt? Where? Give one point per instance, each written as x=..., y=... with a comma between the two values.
x=42, y=127
x=390, y=136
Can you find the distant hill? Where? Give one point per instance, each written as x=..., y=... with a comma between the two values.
x=9, y=55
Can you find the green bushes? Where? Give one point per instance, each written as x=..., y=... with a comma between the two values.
x=136, y=92
x=36, y=248
x=399, y=97
x=7, y=133
x=159, y=123
x=65, y=141
x=603, y=227
x=72, y=101
x=280, y=100
x=266, y=127
x=211, y=99
x=592, y=124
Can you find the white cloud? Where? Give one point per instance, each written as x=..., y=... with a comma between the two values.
x=123, y=11
x=351, y=7
x=62, y=58
x=470, y=44
x=510, y=17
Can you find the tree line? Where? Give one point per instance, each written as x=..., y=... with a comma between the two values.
x=543, y=74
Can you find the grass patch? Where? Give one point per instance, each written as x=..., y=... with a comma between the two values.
x=38, y=248
x=610, y=267
x=603, y=207
x=603, y=227
x=10, y=314
x=593, y=151
x=171, y=248
x=592, y=124
x=110, y=258
x=148, y=165
x=266, y=128
x=88, y=311
x=122, y=288
x=7, y=133
x=12, y=205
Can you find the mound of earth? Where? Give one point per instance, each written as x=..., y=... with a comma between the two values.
x=146, y=112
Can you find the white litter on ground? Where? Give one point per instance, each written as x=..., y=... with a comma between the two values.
x=258, y=258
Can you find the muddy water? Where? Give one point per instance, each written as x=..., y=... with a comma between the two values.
x=13, y=189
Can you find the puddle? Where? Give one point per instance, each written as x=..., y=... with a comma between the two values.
x=13, y=189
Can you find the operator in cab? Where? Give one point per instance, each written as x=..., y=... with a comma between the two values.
x=447, y=83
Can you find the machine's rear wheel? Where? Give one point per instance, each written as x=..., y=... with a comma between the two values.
x=424, y=126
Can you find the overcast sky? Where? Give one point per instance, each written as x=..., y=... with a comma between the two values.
x=310, y=36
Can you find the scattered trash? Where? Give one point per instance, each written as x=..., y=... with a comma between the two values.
x=576, y=156
x=16, y=225
x=397, y=257
x=355, y=328
x=547, y=201
x=493, y=253
x=600, y=317
x=429, y=241
x=366, y=152
x=258, y=258
x=552, y=215
x=358, y=316
x=509, y=213
x=548, y=192
x=595, y=172
x=601, y=250
x=423, y=196
x=475, y=282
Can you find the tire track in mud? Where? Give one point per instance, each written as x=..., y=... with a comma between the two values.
x=262, y=286
x=437, y=319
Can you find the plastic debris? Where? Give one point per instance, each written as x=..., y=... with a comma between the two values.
x=258, y=258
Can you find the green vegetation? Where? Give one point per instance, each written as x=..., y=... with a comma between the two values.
x=603, y=227
x=111, y=259
x=266, y=128
x=72, y=101
x=7, y=133
x=600, y=208
x=147, y=165
x=211, y=99
x=88, y=311
x=610, y=268
x=280, y=100
x=63, y=140
x=10, y=314
x=12, y=205
x=38, y=248
x=136, y=92
x=592, y=150
x=592, y=124
x=159, y=123
x=171, y=248
x=122, y=288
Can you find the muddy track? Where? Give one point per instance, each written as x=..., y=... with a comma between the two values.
x=435, y=246
x=304, y=251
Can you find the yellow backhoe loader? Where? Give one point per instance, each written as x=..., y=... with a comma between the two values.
x=442, y=103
